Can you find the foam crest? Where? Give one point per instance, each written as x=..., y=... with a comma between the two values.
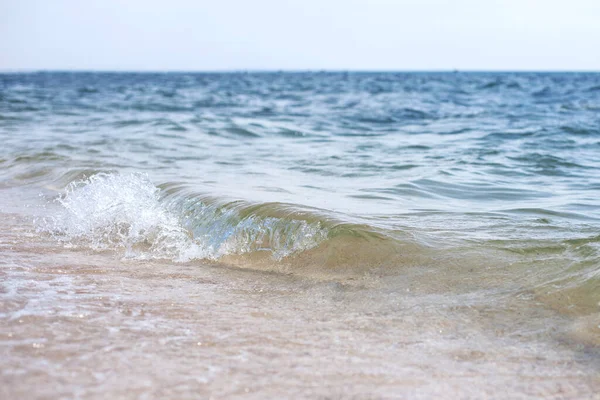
x=119, y=211
x=113, y=211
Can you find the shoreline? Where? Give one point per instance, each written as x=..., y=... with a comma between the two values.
x=79, y=323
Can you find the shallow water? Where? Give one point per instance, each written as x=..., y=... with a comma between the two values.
x=320, y=234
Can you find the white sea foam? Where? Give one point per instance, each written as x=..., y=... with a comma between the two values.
x=125, y=211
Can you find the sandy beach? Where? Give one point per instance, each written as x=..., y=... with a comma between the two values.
x=84, y=324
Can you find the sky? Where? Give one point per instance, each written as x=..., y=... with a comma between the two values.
x=202, y=35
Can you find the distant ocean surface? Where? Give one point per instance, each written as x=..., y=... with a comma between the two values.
x=486, y=183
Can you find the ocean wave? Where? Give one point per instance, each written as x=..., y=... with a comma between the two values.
x=117, y=211
x=126, y=214
x=129, y=215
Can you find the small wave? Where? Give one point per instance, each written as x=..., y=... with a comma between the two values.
x=509, y=135
x=129, y=215
x=547, y=164
x=579, y=131
x=37, y=157
x=159, y=107
x=412, y=113
x=242, y=132
x=438, y=188
x=85, y=90
x=127, y=123
x=492, y=84
x=393, y=116
x=113, y=211
x=541, y=93
x=169, y=124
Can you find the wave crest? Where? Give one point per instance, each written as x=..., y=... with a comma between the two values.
x=110, y=211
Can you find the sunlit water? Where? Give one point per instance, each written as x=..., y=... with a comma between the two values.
x=449, y=219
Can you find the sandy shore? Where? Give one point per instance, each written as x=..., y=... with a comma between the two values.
x=78, y=324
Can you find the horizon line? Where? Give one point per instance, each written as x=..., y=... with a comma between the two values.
x=280, y=70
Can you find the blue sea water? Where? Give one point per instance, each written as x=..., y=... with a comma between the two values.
x=303, y=166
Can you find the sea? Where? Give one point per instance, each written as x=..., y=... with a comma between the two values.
x=300, y=235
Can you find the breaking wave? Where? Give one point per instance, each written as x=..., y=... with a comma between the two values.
x=129, y=215
x=114, y=211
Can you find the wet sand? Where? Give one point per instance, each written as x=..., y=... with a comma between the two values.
x=84, y=324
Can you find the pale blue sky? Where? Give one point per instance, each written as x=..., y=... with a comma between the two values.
x=300, y=34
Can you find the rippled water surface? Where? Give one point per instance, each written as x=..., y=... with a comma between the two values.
x=481, y=188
